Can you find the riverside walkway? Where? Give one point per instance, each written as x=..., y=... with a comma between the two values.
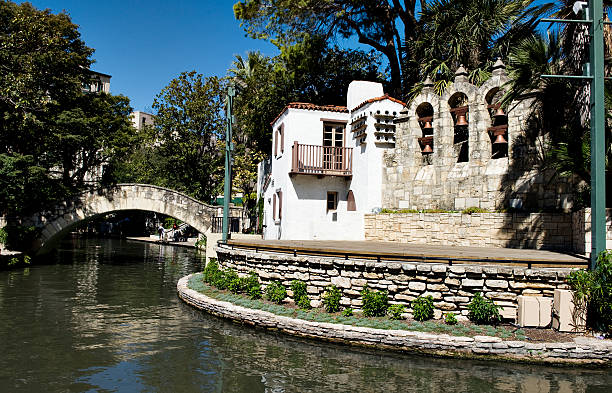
x=392, y=251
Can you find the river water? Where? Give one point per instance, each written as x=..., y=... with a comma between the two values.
x=103, y=316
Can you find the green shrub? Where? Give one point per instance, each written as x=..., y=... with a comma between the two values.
x=392, y=211
x=474, y=209
x=234, y=284
x=375, y=303
x=347, y=312
x=211, y=271
x=483, y=311
x=300, y=295
x=304, y=303
x=331, y=299
x=253, y=287
x=422, y=308
x=396, y=310
x=276, y=292
x=450, y=318
x=593, y=292
x=299, y=289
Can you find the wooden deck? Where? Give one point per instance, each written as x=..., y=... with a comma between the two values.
x=389, y=251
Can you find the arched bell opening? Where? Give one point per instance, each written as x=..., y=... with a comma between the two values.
x=498, y=131
x=459, y=109
x=425, y=116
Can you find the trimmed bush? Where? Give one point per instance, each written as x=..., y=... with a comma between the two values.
x=450, y=318
x=299, y=289
x=300, y=295
x=483, y=311
x=234, y=284
x=331, y=299
x=396, y=310
x=276, y=292
x=375, y=303
x=253, y=287
x=422, y=308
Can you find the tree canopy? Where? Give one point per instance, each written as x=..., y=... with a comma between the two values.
x=54, y=139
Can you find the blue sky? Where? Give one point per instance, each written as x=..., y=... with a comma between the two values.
x=145, y=44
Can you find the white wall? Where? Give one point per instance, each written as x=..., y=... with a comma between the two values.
x=304, y=205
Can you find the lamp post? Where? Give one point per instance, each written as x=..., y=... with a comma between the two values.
x=229, y=146
x=594, y=72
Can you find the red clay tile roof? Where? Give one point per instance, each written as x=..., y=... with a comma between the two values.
x=311, y=107
x=385, y=97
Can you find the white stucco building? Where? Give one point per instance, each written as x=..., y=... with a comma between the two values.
x=325, y=169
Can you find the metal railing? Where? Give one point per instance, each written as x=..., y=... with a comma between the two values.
x=217, y=224
x=321, y=160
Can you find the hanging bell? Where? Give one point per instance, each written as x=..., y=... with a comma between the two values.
x=427, y=125
x=461, y=120
x=500, y=139
x=427, y=149
x=499, y=112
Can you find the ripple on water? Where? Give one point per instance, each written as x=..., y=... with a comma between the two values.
x=104, y=316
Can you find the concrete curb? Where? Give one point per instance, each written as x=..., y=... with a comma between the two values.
x=583, y=351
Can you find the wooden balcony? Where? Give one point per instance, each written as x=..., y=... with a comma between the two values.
x=321, y=160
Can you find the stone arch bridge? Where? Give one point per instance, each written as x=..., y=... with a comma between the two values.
x=53, y=224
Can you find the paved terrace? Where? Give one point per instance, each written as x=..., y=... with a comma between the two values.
x=392, y=251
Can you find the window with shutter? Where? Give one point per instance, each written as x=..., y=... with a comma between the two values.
x=332, y=201
x=280, y=205
x=282, y=138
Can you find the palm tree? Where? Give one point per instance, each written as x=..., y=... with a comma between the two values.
x=560, y=108
x=472, y=33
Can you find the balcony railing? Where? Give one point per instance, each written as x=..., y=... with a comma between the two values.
x=321, y=160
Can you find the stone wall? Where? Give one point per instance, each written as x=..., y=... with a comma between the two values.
x=512, y=230
x=581, y=231
x=452, y=287
x=488, y=179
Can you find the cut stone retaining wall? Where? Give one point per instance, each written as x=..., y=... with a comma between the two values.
x=511, y=230
x=580, y=351
x=551, y=231
x=452, y=287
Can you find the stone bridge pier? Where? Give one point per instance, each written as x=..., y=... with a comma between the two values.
x=53, y=224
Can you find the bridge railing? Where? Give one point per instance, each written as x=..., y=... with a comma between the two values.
x=217, y=224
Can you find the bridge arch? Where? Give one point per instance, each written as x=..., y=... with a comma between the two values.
x=60, y=220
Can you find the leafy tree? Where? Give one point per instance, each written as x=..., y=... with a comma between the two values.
x=389, y=27
x=52, y=136
x=188, y=123
x=310, y=71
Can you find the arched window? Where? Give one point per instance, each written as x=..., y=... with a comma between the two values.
x=459, y=109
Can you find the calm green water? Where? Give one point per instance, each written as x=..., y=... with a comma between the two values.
x=103, y=316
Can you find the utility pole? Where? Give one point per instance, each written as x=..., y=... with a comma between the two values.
x=594, y=72
x=598, y=136
x=229, y=146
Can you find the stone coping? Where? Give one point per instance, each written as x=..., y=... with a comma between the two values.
x=583, y=351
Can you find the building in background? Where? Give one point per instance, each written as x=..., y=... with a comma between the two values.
x=141, y=119
x=99, y=83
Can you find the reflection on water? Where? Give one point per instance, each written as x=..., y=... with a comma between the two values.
x=104, y=316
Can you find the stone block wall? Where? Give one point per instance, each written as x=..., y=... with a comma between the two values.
x=512, y=230
x=452, y=287
x=415, y=180
x=581, y=230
